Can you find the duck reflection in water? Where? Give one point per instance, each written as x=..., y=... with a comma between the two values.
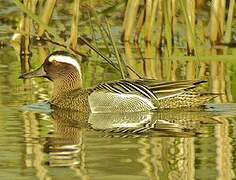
x=65, y=144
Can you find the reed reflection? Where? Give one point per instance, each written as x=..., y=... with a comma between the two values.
x=69, y=125
x=166, y=142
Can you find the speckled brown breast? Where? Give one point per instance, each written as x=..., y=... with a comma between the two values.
x=76, y=100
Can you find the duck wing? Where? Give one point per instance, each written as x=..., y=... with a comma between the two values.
x=134, y=95
x=149, y=88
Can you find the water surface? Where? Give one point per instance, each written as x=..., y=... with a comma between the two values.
x=37, y=142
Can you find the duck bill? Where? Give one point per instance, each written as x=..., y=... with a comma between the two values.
x=36, y=73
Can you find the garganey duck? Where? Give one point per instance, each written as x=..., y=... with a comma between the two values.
x=123, y=95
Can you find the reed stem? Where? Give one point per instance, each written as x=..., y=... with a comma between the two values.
x=168, y=23
x=74, y=25
x=222, y=19
x=147, y=23
x=103, y=35
x=228, y=32
x=189, y=15
x=130, y=18
x=139, y=25
x=116, y=50
x=217, y=21
x=160, y=24
x=99, y=53
x=151, y=8
x=27, y=26
x=46, y=15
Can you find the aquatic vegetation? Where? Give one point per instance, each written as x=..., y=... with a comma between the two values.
x=164, y=32
x=161, y=39
x=164, y=20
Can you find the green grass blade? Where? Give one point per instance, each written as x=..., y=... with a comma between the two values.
x=116, y=50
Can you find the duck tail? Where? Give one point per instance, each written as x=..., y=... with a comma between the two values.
x=211, y=94
x=207, y=96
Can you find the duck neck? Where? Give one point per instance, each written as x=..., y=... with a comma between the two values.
x=65, y=85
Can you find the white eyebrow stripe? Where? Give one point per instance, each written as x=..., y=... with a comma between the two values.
x=65, y=59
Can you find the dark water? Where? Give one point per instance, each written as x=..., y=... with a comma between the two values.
x=36, y=143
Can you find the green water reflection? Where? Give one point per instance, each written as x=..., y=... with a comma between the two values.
x=38, y=143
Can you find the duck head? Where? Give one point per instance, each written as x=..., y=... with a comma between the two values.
x=62, y=69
